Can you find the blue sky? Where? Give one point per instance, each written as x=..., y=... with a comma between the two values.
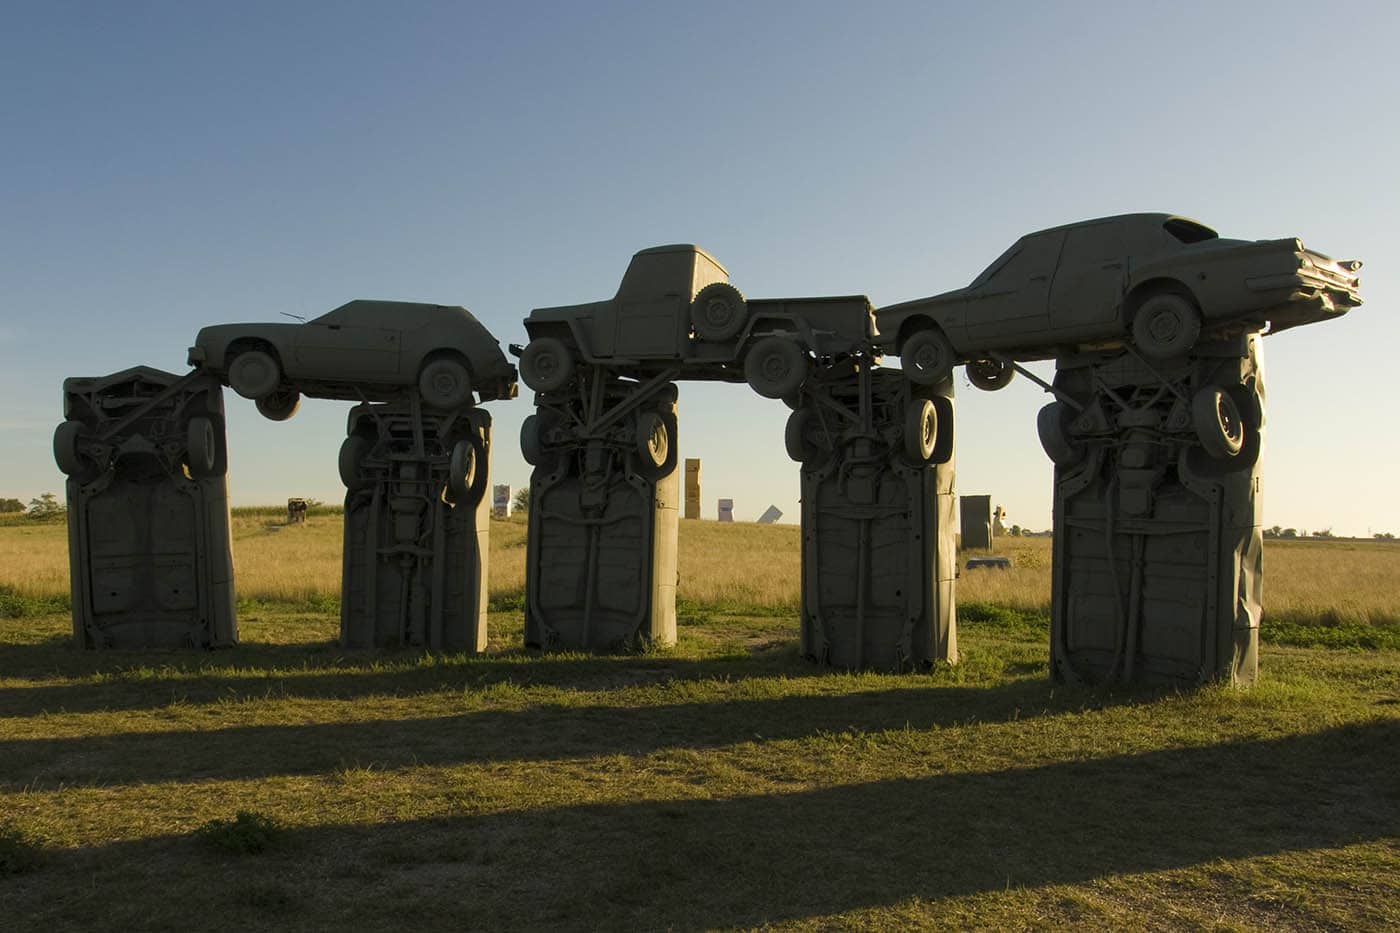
x=167, y=166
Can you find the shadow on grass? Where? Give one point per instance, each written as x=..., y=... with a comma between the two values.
x=145, y=680
x=697, y=864
x=537, y=733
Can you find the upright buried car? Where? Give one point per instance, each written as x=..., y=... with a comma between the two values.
x=361, y=351
x=1154, y=281
x=676, y=313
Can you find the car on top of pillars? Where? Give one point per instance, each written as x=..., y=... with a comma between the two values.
x=365, y=351
x=1155, y=283
x=675, y=315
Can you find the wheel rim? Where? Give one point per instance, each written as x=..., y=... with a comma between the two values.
x=928, y=432
x=1231, y=424
x=775, y=368
x=657, y=442
x=927, y=358
x=1165, y=326
x=444, y=383
x=546, y=366
x=718, y=313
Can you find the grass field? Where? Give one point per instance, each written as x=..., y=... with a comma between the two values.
x=723, y=783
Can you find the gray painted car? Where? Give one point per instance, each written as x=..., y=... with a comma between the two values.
x=1155, y=281
x=675, y=313
x=361, y=351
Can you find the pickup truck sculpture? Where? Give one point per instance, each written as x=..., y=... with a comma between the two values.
x=362, y=351
x=675, y=312
x=1154, y=281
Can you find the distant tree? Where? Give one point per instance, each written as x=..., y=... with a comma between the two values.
x=1289, y=533
x=46, y=505
x=1016, y=531
x=1323, y=533
x=1274, y=532
x=1385, y=536
x=11, y=505
x=520, y=502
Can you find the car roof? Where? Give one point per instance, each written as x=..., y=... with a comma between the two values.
x=363, y=312
x=680, y=248
x=1142, y=219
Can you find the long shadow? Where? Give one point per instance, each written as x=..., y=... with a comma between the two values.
x=699, y=864
x=547, y=732
x=146, y=681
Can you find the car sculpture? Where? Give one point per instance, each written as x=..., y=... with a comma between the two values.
x=1155, y=282
x=675, y=312
x=361, y=351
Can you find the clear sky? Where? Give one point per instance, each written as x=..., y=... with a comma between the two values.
x=169, y=165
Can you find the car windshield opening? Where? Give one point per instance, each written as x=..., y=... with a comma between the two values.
x=1188, y=231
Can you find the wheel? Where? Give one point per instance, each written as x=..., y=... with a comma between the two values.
x=920, y=431
x=943, y=446
x=1218, y=422
x=280, y=405
x=990, y=375
x=793, y=401
x=799, y=437
x=445, y=384
x=653, y=440
x=201, y=447
x=1166, y=326
x=1050, y=425
x=66, y=448
x=927, y=357
x=461, y=471
x=353, y=451
x=718, y=312
x=546, y=364
x=254, y=373
x=775, y=367
x=531, y=443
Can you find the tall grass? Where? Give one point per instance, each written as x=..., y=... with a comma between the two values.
x=1337, y=584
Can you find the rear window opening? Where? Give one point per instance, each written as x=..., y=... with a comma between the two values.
x=1188, y=231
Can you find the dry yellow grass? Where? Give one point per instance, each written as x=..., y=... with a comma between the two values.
x=727, y=565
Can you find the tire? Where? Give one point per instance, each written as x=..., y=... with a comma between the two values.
x=920, y=431
x=775, y=367
x=798, y=439
x=66, y=450
x=547, y=364
x=990, y=375
x=280, y=405
x=254, y=373
x=653, y=441
x=445, y=384
x=1218, y=423
x=1050, y=425
x=943, y=447
x=793, y=401
x=353, y=451
x=927, y=357
x=201, y=447
x=462, y=468
x=531, y=443
x=718, y=312
x=1166, y=326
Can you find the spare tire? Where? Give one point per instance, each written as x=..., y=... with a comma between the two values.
x=920, y=431
x=66, y=451
x=1054, y=438
x=1218, y=422
x=547, y=364
x=201, y=447
x=718, y=312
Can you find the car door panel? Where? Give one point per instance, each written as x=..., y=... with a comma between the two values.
x=1089, y=283
x=1012, y=305
x=333, y=351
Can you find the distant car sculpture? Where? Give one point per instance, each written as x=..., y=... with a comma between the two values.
x=361, y=351
x=676, y=313
x=1154, y=281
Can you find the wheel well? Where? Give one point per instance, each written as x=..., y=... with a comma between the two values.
x=447, y=353
x=244, y=344
x=911, y=326
x=1145, y=290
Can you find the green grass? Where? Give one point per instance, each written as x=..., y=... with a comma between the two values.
x=722, y=783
